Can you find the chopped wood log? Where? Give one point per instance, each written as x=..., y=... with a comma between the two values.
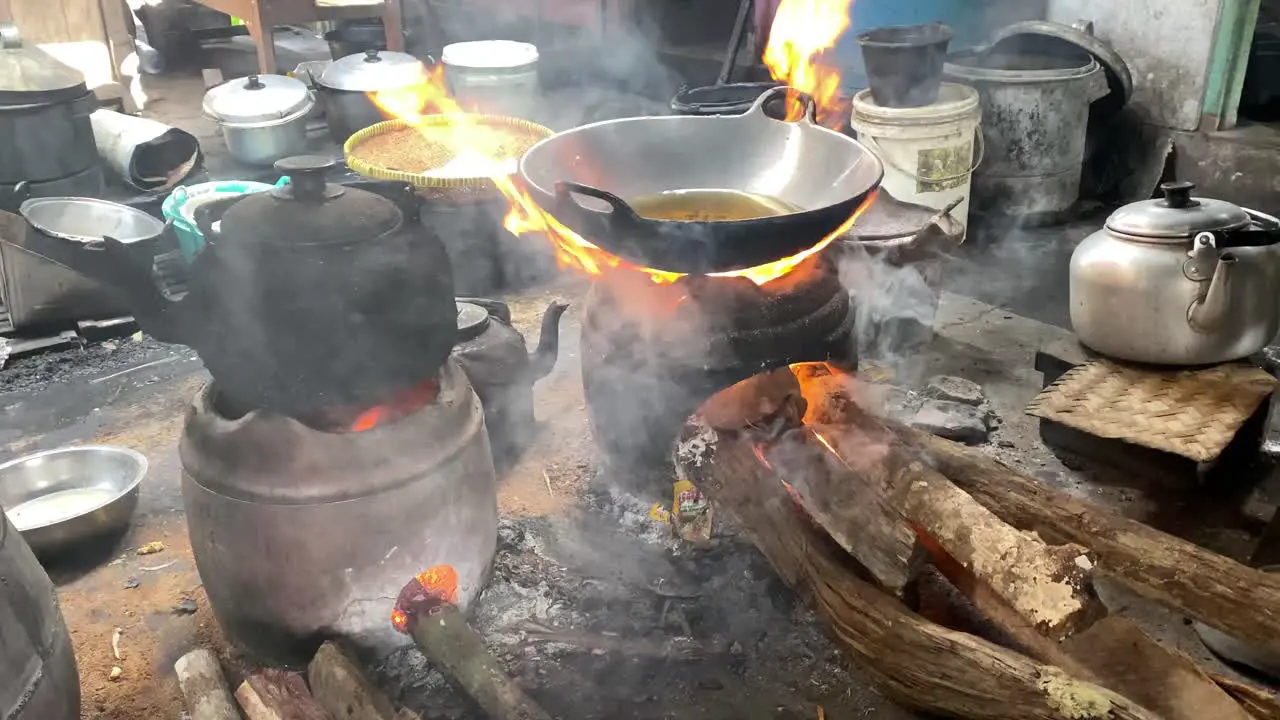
x=915, y=662
x=1128, y=661
x=278, y=695
x=407, y=714
x=341, y=688
x=1260, y=704
x=876, y=480
x=1217, y=591
x=204, y=688
x=454, y=649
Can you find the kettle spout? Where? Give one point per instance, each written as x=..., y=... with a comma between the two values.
x=1213, y=301
x=542, y=360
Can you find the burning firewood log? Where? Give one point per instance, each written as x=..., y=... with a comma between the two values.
x=1217, y=591
x=342, y=689
x=972, y=548
x=457, y=651
x=919, y=664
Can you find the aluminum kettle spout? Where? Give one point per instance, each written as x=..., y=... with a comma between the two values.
x=543, y=359
x=1208, y=311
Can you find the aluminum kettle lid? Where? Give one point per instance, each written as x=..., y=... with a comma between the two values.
x=257, y=99
x=1177, y=216
x=30, y=75
x=473, y=320
x=374, y=70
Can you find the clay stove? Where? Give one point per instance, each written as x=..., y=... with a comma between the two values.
x=653, y=353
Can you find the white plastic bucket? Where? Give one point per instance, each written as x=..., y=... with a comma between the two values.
x=498, y=77
x=929, y=153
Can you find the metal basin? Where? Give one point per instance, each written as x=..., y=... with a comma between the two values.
x=88, y=220
x=59, y=497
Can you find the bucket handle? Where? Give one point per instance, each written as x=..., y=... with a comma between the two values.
x=979, y=144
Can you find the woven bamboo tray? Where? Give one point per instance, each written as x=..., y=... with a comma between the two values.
x=1190, y=413
x=441, y=147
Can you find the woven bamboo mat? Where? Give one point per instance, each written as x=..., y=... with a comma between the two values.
x=1191, y=413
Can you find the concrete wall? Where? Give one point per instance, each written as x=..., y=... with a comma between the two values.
x=1168, y=45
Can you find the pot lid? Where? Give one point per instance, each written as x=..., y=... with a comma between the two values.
x=1080, y=36
x=473, y=320
x=31, y=75
x=374, y=70
x=308, y=211
x=889, y=218
x=257, y=99
x=489, y=54
x=1177, y=216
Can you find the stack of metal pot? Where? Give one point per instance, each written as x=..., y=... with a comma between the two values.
x=46, y=138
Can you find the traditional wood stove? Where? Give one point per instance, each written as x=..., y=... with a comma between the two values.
x=653, y=353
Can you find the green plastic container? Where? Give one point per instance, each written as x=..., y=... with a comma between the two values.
x=181, y=202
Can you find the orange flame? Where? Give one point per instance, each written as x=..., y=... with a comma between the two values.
x=439, y=582
x=524, y=216
x=802, y=31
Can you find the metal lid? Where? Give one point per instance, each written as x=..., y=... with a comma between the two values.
x=1177, y=216
x=374, y=70
x=31, y=75
x=1080, y=35
x=473, y=320
x=257, y=99
x=489, y=54
x=308, y=211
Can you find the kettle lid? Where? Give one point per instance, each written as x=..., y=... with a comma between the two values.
x=473, y=320
x=1177, y=216
x=308, y=211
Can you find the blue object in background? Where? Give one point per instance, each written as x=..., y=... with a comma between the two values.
x=967, y=18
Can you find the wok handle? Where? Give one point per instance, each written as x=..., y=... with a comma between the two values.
x=810, y=106
x=619, y=210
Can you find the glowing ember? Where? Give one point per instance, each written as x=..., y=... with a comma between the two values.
x=406, y=403
x=438, y=585
x=802, y=31
x=524, y=216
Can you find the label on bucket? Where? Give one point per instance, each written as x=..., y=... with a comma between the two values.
x=944, y=168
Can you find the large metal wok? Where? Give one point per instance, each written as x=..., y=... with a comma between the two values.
x=585, y=177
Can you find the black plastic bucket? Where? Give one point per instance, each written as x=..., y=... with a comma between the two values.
x=904, y=64
x=729, y=99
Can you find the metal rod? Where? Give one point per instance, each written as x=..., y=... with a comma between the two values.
x=745, y=9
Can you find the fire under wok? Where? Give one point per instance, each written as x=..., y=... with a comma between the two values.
x=703, y=194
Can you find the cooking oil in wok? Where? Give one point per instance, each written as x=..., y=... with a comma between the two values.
x=710, y=206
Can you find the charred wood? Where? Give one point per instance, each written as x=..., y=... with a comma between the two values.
x=917, y=663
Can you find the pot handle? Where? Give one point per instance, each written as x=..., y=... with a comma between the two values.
x=809, y=116
x=619, y=211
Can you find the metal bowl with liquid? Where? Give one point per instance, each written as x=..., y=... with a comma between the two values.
x=58, y=498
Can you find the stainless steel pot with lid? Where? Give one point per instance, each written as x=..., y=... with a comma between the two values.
x=1180, y=280
x=345, y=85
x=263, y=117
x=45, y=132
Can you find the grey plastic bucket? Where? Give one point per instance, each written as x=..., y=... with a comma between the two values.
x=1035, y=112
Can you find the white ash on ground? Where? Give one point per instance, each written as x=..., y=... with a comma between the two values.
x=602, y=573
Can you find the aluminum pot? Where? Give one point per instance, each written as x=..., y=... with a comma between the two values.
x=263, y=117
x=345, y=86
x=1178, y=281
x=38, y=675
x=587, y=177
x=45, y=133
x=324, y=536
